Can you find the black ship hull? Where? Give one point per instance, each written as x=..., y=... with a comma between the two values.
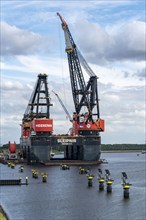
x=75, y=148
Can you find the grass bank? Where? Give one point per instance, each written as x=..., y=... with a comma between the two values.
x=3, y=215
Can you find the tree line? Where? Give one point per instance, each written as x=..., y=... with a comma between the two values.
x=112, y=147
x=104, y=147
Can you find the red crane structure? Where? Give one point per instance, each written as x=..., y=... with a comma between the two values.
x=37, y=126
x=86, y=123
x=84, y=142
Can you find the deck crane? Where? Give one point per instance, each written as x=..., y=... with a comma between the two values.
x=70, y=131
x=63, y=106
x=84, y=95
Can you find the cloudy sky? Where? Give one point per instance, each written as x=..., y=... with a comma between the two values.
x=111, y=36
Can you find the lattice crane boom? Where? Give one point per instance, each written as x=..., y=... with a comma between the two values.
x=63, y=106
x=76, y=75
x=85, y=95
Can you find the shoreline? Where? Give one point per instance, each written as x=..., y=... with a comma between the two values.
x=121, y=151
x=3, y=161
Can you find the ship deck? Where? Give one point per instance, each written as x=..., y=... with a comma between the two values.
x=59, y=162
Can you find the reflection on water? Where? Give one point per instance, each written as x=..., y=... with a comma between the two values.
x=56, y=156
x=66, y=196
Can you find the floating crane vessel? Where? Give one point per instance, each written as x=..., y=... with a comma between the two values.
x=83, y=144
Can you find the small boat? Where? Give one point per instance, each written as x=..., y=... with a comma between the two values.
x=51, y=153
x=143, y=151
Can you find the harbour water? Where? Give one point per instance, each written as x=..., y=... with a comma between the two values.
x=66, y=195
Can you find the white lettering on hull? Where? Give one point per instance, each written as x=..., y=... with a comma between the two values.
x=43, y=125
x=66, y=140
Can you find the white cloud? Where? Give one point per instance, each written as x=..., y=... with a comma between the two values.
x=112, y=42
x=9, y=85
x=111, y=97
x=17, y=41
x=16, y=67
x=127, y=42
x=138, y=113
x=32, y=65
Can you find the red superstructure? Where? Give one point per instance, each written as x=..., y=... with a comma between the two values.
x=25, y=129
x=82, y=124
x=12, y=147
